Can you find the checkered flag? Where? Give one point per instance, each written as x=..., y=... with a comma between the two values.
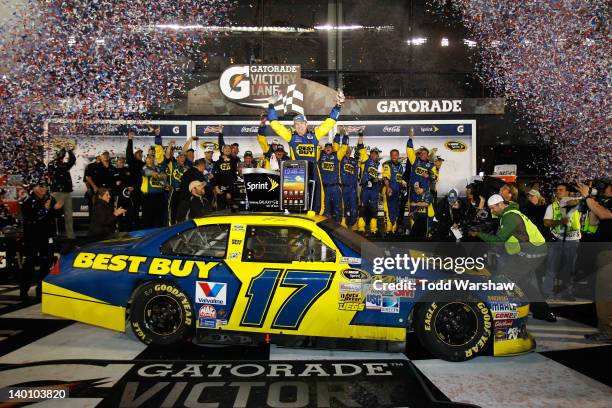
x=293, y=100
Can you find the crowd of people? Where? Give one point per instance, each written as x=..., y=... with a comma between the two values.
x=168, y=185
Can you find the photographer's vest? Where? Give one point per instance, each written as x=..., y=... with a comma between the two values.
x=513, y=245
x=573, y=225
x=587, y=228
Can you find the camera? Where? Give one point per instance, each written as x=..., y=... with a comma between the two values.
x=486, y=187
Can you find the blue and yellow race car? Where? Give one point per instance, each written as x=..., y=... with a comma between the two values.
x=267, y=274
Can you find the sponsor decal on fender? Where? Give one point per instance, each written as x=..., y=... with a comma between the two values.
x=207, y=312
x=212, y=293
x=355, y=274
x=503, y=324
x=179, y=268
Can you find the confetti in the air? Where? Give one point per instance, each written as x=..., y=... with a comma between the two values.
x=552, y=58
x=92, y=59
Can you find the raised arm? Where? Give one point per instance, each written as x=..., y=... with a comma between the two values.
x=343, y=147
x=410, y=151
x=276, y=126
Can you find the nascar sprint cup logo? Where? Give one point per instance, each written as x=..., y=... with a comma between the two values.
x=252, y=85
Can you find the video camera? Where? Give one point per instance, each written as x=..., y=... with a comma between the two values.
x=486, y=187
x=479, y=221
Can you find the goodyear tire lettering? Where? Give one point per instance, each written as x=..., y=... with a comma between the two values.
x=426, y=321
x=140, y=312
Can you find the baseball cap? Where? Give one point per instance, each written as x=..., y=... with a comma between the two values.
x=235, y=144
x=417, y=184
x=423, y=148
x=248, y=153
x=437, y=157
x=376, y=149
x=329, y=144
x=534, y=193
x=138, y=150
x=195, y=183
x=453, y=196
x=495, y=199
x=279, y=147
x=275, y=140
x=208, y=149
x=180, y=154
x=300, y=118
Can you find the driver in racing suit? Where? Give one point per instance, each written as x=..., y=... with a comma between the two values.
x=304, y=143
x=423, y=170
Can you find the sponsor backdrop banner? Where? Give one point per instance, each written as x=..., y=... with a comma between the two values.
x=453, y=140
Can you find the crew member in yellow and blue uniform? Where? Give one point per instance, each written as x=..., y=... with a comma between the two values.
x=422, y=168
x=370, y=187
x=304, y=144
x=329, y=167
x=174, y=168
x=392, y=173
x=349, y=172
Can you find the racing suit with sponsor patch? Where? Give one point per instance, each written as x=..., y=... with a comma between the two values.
x=329, y=167
x=349, y=169
x=305, y=147
x=422, y=171
x=370, y=191
x=392, y=175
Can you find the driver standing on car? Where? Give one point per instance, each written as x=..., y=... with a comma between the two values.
x=303, y=143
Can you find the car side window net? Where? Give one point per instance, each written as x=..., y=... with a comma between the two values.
x=285, y=245
x=208, y=241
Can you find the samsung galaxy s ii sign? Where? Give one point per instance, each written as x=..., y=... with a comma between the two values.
x=252, y=85
x=419, y=106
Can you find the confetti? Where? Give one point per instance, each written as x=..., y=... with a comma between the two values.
x=551, y=59
x=86, y=60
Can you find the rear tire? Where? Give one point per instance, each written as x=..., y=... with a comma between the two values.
x=455, y=330
x=161, y=314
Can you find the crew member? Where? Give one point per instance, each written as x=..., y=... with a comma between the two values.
x=392, y=172
x=349, y=171
x=61, y=184
x=303, y=144
x=278, y=156
x=525, y=249
x=39, y=212
x=422, y=212
x=135, y=164
x=225, y=174
x=329, y=168
x=152, y=188
x=123, y=193
x=370, y=187
x=175, y=168
x=422, y=169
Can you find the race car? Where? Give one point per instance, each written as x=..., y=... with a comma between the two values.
x=265, y=275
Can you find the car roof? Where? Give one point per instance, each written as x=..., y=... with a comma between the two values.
x=244, y=216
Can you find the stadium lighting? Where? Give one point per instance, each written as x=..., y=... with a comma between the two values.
x=444, y=42
x=417, y=41
x=469, y=43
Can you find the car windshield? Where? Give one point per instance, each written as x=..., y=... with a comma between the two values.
x=339, y=233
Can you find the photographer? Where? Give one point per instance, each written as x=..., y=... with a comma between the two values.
x=563, y=219
x=524, y=250
x=601, y=214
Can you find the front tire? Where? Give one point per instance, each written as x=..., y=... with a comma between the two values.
x=455, y=330
x=161, y=314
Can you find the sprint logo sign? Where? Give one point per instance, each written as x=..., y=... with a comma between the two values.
x=211, y=293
